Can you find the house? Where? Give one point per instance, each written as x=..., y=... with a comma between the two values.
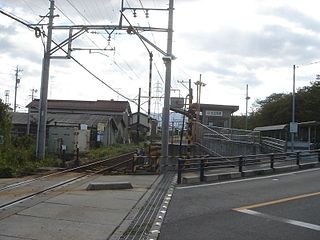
x=103, y=129
x=119, y=111
x=144, y=123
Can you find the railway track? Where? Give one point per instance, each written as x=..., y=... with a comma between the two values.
x=15, y=193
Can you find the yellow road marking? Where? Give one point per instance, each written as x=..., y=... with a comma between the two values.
x=277, y=201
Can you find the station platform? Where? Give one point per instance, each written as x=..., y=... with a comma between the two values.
x=77, y=213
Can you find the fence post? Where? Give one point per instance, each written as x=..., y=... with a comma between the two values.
x=272, y=161
x=179, y=178
x=202, y=170
x=298, y=158
x=133, y=169
x=240, y=163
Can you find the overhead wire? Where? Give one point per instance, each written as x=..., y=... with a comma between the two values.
x=96, y=77
x=88, y=21
x=25, y=23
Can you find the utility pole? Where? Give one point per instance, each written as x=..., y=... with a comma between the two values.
x=199, y=84
x=149, y=96
x=6, y=94
x=16, y=88
x=247, y=99
x=33, y=91
x=150, y=84
x=293, y=124
x=166, y=108
x=43, y=104
x=138, y=115
x=190, y=120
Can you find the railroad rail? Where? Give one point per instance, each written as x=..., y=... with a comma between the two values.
x=105, y=165
x=49, y=183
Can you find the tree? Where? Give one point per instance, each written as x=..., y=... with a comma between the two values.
x=277, y=108
x=5, y=125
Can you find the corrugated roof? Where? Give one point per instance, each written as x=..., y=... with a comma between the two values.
x=271, y=128
x=99, y=105
x=62, y=119
x=217, y=107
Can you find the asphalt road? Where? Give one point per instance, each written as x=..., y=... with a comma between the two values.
x=278, y=207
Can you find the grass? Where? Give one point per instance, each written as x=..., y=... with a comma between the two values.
x=114, y=150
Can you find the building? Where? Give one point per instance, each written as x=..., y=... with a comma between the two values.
x=216, y=115
x=144, y=123
x=94, y=122
x=119, y=111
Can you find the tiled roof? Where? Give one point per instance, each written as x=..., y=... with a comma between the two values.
x=99, y=105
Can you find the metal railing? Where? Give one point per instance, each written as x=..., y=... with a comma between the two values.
x=239, y=135
x=243, y=163
x=227, y=141
x=274, y=144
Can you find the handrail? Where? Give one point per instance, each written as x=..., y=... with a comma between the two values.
x=202, y=164
x=211, y=130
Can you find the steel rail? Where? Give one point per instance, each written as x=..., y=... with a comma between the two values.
x=61, y=184
x=23, y=183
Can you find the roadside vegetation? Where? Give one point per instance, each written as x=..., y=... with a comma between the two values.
x=114, y=150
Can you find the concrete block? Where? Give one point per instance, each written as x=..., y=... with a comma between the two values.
x=226, y=176
x=286, y=169
x=258, y=172
x=109, y=186
x=190, y=179
x=211, y=177
x=235, y=175
x=309, y=165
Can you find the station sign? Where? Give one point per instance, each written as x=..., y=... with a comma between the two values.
x=214, y=113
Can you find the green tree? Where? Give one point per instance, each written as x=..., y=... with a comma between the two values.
x=5, y=125
x=277, y=108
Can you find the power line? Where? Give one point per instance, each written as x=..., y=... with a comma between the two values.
x=113, y=61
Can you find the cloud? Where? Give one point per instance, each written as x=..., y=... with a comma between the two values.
x=294, y=16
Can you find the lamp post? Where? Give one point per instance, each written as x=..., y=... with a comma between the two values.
x=293, y=124
x=247, y=99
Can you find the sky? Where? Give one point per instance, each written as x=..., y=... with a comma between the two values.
x=230, y=43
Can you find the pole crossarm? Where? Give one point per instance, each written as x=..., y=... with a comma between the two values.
x=144, y=9
x=109, y=27
x=68, y=40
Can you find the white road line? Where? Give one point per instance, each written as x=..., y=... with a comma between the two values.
x=247, y=179
x=280, y=219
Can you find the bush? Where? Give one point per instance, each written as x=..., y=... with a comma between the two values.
x=114, y=150
x=6, y=172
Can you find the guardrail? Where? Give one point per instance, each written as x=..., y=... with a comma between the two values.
x=248, y=162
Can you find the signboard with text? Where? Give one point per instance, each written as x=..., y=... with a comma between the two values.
x=214, y=113
x=177, y=102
